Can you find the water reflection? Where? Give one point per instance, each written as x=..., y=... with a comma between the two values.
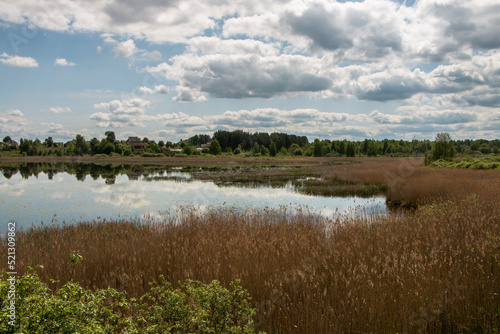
x=33, y=193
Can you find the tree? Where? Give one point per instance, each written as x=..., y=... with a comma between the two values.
x=342, y=149
x=272, y=149
x=7, y=139
x=81, y=146
x=94, y=143
x=255, y=148
x=317, y=148
x=350, y=150
x=49, y=142
x=371, y=149
x=215, y=148
x=443, y=147
x=28, y=146
x=110, y=136
x=188, y=149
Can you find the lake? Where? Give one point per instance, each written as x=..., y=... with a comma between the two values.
x=32, y=194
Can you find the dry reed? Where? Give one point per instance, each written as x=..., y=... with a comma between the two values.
x=434, y=270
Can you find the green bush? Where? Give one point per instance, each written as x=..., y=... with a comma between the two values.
x=151, y=155
x=193, y=308
x=71, y=310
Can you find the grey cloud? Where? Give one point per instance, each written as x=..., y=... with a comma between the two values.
x=387, y=87
x=245, y=76
x=131, y=11
x=322, y=27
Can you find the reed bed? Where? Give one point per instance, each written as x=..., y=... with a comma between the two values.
x=434, y=270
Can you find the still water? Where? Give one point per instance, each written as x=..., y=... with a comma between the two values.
x=63, y=197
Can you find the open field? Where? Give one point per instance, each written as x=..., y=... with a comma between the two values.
x=433, y=269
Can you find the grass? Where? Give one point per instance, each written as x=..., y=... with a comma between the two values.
x=472, y=162
x=437, y=268
x=434, y=269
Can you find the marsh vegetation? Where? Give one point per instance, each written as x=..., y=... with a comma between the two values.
x=434, y=268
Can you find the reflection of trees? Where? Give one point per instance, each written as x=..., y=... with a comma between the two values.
x=107, y=172
x=8, y=172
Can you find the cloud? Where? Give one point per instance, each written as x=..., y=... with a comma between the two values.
x=243, y=76
x=154, y=55
x=426, y=117
x=125, y=49
x=63, y=62
x=14, y=113
x=17, y=61
x=59, y=110
x=160, y=89
x=119, y=113
x=13, y=122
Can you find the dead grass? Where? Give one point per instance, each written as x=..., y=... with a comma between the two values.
x=433, y=270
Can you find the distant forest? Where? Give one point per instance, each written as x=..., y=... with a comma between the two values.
x=243, y=143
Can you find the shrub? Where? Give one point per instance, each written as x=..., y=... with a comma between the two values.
x=194, y=308
x=188, y=150
x=151, y=155
x=71, y=310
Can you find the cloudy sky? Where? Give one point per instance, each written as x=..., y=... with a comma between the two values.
x=169, y=69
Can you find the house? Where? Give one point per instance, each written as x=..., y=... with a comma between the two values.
x=136, y=143
x=133, y=140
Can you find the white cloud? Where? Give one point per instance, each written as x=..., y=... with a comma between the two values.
x=159, y=89
x=426, y=117
x=59, y=110
x=154, y=55
x=17, y=61
x=63, y=62
x=13, y=122
x=119, y=113
x=125, y=49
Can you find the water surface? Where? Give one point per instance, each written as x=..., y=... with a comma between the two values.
x=48, y=197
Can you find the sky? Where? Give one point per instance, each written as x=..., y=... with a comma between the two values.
x=170, y=69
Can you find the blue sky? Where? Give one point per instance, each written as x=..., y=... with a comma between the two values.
x=167, y=70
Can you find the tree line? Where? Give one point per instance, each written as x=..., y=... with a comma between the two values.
x=257, y=144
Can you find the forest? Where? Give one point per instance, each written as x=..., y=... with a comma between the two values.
x=243, y=143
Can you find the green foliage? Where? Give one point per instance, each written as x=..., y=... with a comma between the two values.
x=472, y=162
x=28, y=147
x=188, y=150
x=71, y=310
x=215, y=147
x=255, y=148
x=75, y=257
x=193, y=308
x=49, y=142
x=153, y=155
x=272, y=149
x=443, y=147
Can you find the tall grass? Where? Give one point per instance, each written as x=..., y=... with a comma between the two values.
x=434, y=270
